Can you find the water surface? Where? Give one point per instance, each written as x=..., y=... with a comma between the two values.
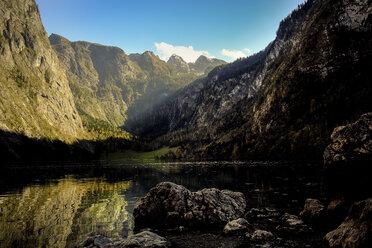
x=59, y=204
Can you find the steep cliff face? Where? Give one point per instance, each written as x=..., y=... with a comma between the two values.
x=99, y=77
x=321, y=83
x=285, y=99
x=35, y=98
x=110, y=85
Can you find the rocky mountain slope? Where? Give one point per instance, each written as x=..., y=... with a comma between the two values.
x=283, y=101
x=107, y=83
x=35, y=98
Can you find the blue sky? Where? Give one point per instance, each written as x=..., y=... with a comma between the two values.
x=224, y=29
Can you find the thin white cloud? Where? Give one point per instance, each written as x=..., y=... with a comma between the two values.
x=235, y=54
x=166, y=50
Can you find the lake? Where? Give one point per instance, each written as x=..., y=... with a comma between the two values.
x=59, y=204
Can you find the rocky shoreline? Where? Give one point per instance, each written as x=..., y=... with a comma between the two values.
x=279, y=230
x=172, y=216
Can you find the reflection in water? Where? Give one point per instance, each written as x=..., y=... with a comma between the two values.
x=58, y=205
x=56, y=214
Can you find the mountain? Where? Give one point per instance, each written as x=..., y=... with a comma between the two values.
x=178, y=63
x=35, y=98
x=109, y=85
x=158, y=79
x=283, y=101
x=99, y=77
x=204, y=64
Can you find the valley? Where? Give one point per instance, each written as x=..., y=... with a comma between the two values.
x=100, y=147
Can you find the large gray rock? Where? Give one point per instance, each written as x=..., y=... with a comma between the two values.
x=170, y=205
x=143, y=239
x=356, y=230
x=314, y=211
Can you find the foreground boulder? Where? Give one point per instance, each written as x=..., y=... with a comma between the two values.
x=314, y=211
x=356, y=230
x=143, y=239
x=172, y=205
x=347, y=159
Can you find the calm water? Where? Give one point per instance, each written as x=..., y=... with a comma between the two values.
x=57, y=205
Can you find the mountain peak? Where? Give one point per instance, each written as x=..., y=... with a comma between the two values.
x=204, y=64
x=203, y=58
x=57, y=39
x=178, y=62
x=149, y=53
x=175, y=56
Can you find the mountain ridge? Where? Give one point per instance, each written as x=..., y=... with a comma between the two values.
x=107, y=82
x=202, y=65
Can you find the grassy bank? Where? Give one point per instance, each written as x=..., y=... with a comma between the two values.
x=136, y=155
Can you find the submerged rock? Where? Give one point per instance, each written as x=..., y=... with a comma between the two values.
x=262, y=213
x=292, y=224
x=237, y=226
x=356, y=230
x=143, y=239
x=314, y=211
x=101, y=241
x=97, y=241
x=171, y=205
x=262, y=235
x=206, y=240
